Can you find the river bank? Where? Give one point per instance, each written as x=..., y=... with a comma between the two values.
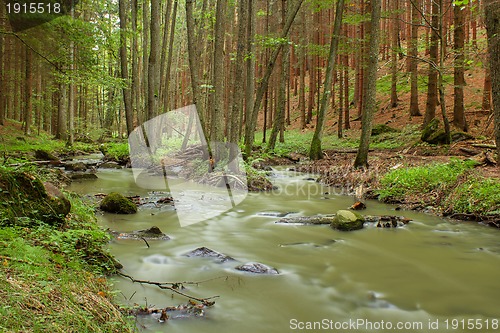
x=54, y=263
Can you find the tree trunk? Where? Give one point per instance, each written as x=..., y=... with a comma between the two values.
x=2, y=70
x=28, y=105
x=442, y=101
x=487, y=89
x=492, y=18
x=164, y=50
x=413, y=63
x=127, y=98
x=62, y=109
x=193, y=63
x=279, y=120
x=430, y=109
x=394, y=53
x=217, y=113
x=370, y=105
x=239, y=93
x=250, y=61
x=168, y=70
x=459, y=119
x=316, y=153
x=252, y=122
x=154, y=58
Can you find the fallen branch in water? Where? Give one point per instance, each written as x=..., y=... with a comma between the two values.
x=176, y=287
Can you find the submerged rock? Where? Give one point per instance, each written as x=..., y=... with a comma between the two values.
x=117, y=203
x=153, y=233
x=274, y=214
x=110, y=165
x=307, y=220
x=82, y=175
x=257, y=268
x=75, y=166
x=204, y=252
x=346, y=220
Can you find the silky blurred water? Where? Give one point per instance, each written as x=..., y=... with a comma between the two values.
x=429, y=272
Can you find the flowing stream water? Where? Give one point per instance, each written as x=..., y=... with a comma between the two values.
x=432, y=275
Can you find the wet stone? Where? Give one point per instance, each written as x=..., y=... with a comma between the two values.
x=153, y=233
x=257, y=268
x=204, y=252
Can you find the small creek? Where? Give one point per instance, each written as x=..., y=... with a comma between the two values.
x=429, y=270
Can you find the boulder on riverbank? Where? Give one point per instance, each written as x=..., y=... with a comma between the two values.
x=118, y=204
x=346, y=220
x=23, y=195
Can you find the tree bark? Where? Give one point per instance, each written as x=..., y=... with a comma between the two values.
x=316, y=152
x=279, y=119
x=250, y=61
x=492, y=18
x=154, y=58
x=127, y=98
x=413, y=63
x=370, y=105
x=193, y=64
x=28, y=105
x=217, y=113
x=394, y=53
x=239, y=93
x=252, y=122
x=459, y=119
x=430, y=109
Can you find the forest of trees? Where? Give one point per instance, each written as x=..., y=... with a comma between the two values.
x=108, y=66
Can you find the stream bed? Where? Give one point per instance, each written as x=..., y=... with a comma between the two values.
x=432, y=275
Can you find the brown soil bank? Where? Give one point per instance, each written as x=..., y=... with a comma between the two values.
x=468, y=190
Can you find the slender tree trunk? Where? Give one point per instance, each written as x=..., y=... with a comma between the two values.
x=251, y=124
x=492, y=10
x=193, y=63
x=316, y=153
x=239, y=93
x=136, y=78
x=2, y=70
x=487, y=89
x=459, y=119
x=28, y=105
x=168, y=70
x=430, y=110
x=127, y=98
x=442, y=101
x=217, y=113
x=62, y=109
x=394, y=53
x=413, y=63
x=347, y=124
x=250, y=62
x=145, y=57
x=164, y=51
x=154, y=58
x=279, y=120
x=370, y=107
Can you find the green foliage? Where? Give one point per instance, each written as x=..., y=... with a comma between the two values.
x=475, y=196
x=118, y=151
x=421, y=180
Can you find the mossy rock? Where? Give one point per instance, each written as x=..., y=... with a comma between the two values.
x=117, y=203
x=430, y=129
x=383, y=128
x=438, y=138
x=44, y=155
x=25, y=199
x=346, y=220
